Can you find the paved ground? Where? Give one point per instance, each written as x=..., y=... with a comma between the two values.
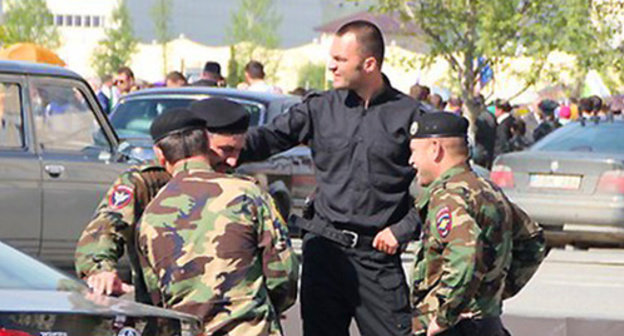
x=574, y=293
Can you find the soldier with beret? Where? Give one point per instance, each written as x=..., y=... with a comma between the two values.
x=478, y=248
x=213, y=245
x=102, y=243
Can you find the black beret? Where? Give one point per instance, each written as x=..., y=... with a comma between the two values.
x=222, y=115
x=175, y=120
x=439, y=125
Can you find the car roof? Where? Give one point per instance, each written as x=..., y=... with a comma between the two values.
x=262, y=97
x=29, y=68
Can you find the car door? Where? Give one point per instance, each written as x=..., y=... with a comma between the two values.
x=20, y=170
x=76, y=145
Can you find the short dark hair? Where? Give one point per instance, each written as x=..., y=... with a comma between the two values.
x=420, y=92
x=183, y=145
x=596, y=103
x=176, y=76
x=586, y=105
x=368, y=36
x=503, y=105
x=519, y=126
x=255, y=70
x=126, y=71
x=212, y=67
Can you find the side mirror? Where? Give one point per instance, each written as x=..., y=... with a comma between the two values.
x=126, y=152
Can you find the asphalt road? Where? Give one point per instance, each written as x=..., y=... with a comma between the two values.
x=573, y=293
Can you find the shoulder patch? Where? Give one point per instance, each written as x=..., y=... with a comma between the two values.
x=121, y=196
x=444, y=222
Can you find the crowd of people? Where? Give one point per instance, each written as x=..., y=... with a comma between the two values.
x=212, y=244
x=501, y=127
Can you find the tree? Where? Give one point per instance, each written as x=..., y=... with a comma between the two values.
x=253, y=32
x=474, y=35
x=161, y=16
x=119, y=45
x=29, y=21
x=312, y=76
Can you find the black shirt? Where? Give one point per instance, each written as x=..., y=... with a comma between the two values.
x=360, y=155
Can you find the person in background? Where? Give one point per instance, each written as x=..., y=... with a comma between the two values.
x=518, y=141
x=211, y=76
x=175, y=79
x=549, y=122
x=437, y=102
x=504, y=120
x=485, y=135
x=255, y=79
x=454, y=105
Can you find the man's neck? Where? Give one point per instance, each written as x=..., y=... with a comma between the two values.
x=198, y=158
x=368, y=91
x=253, y=81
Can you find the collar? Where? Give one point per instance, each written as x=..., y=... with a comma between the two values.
x=425, y=194
x=502, y=117
x=379, y=97
x=189, y=165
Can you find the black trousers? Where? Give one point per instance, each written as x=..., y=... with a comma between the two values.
x=340, y=283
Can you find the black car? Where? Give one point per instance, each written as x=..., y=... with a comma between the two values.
x=289, y=176
x=38, y=300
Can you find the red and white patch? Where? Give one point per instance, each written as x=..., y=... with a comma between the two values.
x=444, y=222
x=122, y=196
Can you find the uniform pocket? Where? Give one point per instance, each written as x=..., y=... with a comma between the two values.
x=397, y=296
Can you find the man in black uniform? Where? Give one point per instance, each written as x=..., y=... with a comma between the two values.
x=359, y=136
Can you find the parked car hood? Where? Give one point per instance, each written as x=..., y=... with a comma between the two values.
x=77, y=302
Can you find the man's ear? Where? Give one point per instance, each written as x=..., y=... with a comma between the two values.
x=370, y=64
x=160, y=157
x=437, y=150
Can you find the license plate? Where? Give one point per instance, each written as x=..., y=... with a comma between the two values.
x=567, y=182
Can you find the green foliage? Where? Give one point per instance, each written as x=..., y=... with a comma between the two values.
x=29, y=21
x=312, y=76
x=161, y=17
x=117, y=48
x=461, y=31
x=253, y=33
x=234, y=74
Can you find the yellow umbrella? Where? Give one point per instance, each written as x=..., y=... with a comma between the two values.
x=31, y=52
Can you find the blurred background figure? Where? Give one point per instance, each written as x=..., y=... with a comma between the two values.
x=454, y=105
x=518, y=141
x=504, y=121
x=437, y=102
x=485, y=135
x=549, y=122
x=254, y=79
x=175, y=79
x=211, y=75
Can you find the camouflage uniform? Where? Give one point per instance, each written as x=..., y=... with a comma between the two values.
x=214, y=246
x=478, y=248
x=102, y=242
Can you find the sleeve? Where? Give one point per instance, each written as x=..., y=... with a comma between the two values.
x=279, y=262
x=285, y=131
x=408, y=228
x=459, y=235
x=102, y=242
x=528, y=252
x=145, y=238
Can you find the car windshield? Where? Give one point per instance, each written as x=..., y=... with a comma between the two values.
x=605, y=137
x=133, y=118
x=19, y=271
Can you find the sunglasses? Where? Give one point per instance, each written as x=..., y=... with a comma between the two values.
x=119, y=81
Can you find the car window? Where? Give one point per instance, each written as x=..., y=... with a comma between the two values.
x=133, y=118
x=11, y=116
x=19, y=271
x=602, y=138
x=64, y=120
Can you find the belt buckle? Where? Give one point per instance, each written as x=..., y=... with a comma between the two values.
x=354, y=237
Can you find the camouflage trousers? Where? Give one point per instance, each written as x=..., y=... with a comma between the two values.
x=490, y=326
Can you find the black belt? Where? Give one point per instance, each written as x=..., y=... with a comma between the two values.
x=346, y=238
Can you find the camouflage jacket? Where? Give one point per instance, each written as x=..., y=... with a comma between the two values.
x=215, y=246
x=102, y=242
x=478, y=248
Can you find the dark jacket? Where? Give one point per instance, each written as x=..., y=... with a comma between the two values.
x=503, y=136
x=485, y=138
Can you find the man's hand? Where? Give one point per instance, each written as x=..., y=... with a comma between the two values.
x=434, y=328
x=108, y=283
x=386, y=242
